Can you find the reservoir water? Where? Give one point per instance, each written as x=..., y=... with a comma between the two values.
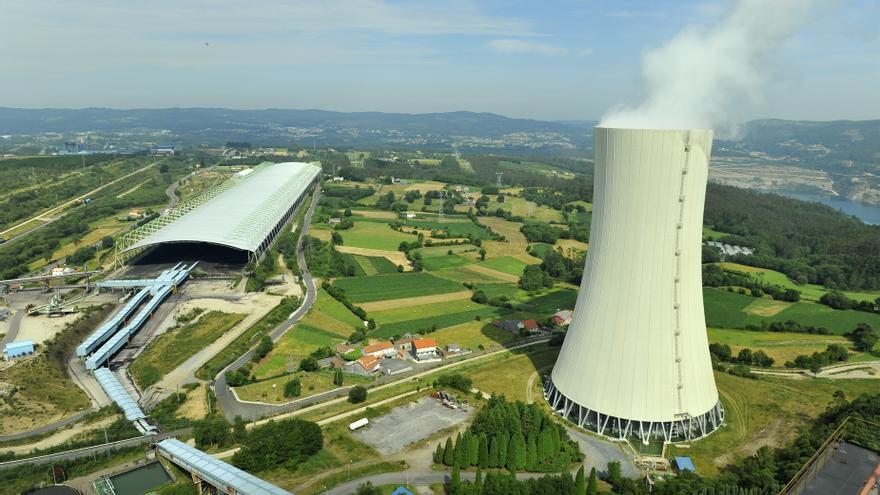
x=865, y=212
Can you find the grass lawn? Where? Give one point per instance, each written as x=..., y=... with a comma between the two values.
x=297, y=343
x=713, y=235
x=768, y=411
x=812, y=292
x=374, y=235
x=314, y=382
x=509, y=376
x=472, y=334
x=780, y=346
x=506, y=264
x=447, y=261
x=731, y=310
x=395, y=286
x=325, y=303
x=174, y=347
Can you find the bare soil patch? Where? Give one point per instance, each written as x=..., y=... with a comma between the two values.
x=395, y=257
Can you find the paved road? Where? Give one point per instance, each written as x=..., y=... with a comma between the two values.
x=14, y=325
x=230, y=406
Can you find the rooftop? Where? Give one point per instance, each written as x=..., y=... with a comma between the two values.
x=215, y=470
x=378, y=346
x=424, y=343
x=22, y=344
x=242, y=216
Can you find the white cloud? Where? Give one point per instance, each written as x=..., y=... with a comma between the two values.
x=585, y=52
x=522, y=46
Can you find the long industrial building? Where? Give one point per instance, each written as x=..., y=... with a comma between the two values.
x=635, y=361
x=245, y=213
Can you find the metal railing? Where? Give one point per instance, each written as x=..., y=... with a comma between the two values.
x=844, y=432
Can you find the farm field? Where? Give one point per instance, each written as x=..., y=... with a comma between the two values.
x=515, y=243
x=712, y=235
x=810, y=292
x=474, y=275
x=424, y=311
x=506, y=264
x=462, y=295
x=374, y=235
x=728, y=310
x=369, y=265
x=549, y=302
x=520, y=207
x=497, y=290
x=781, y=346
x=419, y=325
x=453, y=229
x=440, y=251
x=448, y=261
x=394, y=257
x=768, y=411
x=175, y=346
x=328, y=323
x=395, y=286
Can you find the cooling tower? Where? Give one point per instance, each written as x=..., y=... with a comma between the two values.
x=635, y=361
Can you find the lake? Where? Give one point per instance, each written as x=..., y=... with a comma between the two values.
x=865, y=212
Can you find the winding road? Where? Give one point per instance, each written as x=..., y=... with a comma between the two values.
x=229, y=404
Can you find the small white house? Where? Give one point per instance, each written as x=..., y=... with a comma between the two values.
x=410, y=215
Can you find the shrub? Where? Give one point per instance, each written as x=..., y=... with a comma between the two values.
x=357, y=394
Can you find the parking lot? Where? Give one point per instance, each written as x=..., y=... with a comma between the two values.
x=410, y=423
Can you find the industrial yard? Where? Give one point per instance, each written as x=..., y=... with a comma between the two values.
x=402, y=293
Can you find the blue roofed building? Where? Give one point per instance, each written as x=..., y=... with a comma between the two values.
x=685, y=463
x=401, y=491
x=18, y=349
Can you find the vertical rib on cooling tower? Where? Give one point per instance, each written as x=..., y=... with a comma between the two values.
x=635, y=361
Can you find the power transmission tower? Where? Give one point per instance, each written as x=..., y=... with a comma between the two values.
x=531, y=207
x=442, y=204
x=499, y=175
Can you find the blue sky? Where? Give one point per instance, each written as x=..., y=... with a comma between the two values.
x=547, y=60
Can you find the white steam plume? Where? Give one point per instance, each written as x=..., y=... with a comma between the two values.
x=702, y=76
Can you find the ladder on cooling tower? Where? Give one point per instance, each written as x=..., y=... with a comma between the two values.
x=677, y=281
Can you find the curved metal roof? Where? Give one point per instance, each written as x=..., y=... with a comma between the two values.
x=117, y=394
x=242, y=216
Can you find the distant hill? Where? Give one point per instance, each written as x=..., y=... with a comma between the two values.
x=187, y=120
x=820, y=144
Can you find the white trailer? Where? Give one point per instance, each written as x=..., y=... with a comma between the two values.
x=359, y=424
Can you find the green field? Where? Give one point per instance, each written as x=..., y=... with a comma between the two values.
x=462, y=274
x=435, y=310
x=174, y=347
x=369, y=265
x=315, y=382
x=713, y=235
x=551, y=302
x=374, y=235
x=781, y=346
x=395, y=286
x=439, y=321
x=811, y=292
x=728, y=310
x=452, y=229
x=435, y=251
x=506, y=264
x=447, y=261
x=472, y=334
x=498, y=290
x=539, y=249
